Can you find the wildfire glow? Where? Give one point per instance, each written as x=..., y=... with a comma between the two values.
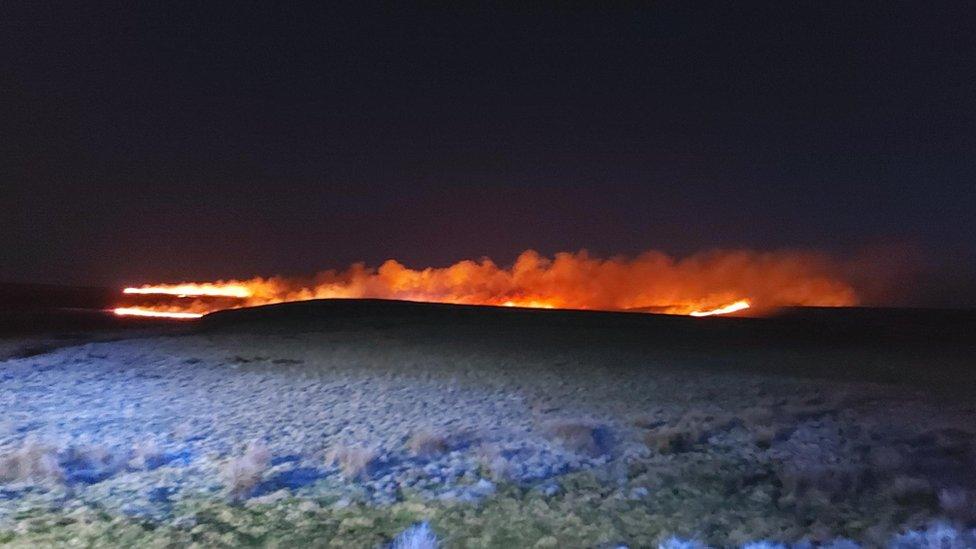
x=194, y=290
x=740, y=305
x=531, y=304
x=704, y=284
x=139, y=311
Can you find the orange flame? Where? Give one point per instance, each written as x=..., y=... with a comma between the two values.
x=530, y=304
x=740, y=305
x=704, y=284
x=140, y=311
x=194, y=290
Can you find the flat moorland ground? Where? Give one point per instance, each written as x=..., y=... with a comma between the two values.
x=341, y=423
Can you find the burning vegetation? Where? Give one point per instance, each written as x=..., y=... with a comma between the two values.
x=711, y=283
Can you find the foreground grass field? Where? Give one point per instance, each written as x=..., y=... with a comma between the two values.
x=589, y=510
x=342, y=424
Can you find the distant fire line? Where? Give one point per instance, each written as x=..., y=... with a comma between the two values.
x=193, y=290
x=139, y=311
x=739, y=305
x=710, y=283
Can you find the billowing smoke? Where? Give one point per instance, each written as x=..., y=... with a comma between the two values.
x=652, y=281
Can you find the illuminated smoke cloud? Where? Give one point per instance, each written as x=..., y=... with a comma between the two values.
x=706, y=283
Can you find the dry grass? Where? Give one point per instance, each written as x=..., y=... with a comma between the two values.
x=242, y=474
x=764, y=435
x=764, y=424
x=427, y=443
x=32, y=461
x=355, y=462
x=183, y=431
x=650, y=420
x=692, y=428
x=578, y=436
x=145, y=454
x=494, y=463
x=669, y=440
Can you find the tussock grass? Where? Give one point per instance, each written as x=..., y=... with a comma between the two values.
x=692, y=428
x=494, y=463
x=355, y=462
x=146, y=454
x=427, y=443
x=669, y=440
x=578, y=436
x=648, y=421
x=242, y=474
x=33, y=461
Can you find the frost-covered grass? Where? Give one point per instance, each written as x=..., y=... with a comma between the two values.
x=509, y=520
x=371, y=431
x=937, y=535
x=419, y=536
x=693, y=502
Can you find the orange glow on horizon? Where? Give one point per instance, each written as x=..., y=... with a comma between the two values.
x=705, y=284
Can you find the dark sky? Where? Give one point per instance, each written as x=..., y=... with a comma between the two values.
x=173, y=143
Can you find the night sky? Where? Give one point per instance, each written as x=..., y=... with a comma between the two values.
x=165, y=143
